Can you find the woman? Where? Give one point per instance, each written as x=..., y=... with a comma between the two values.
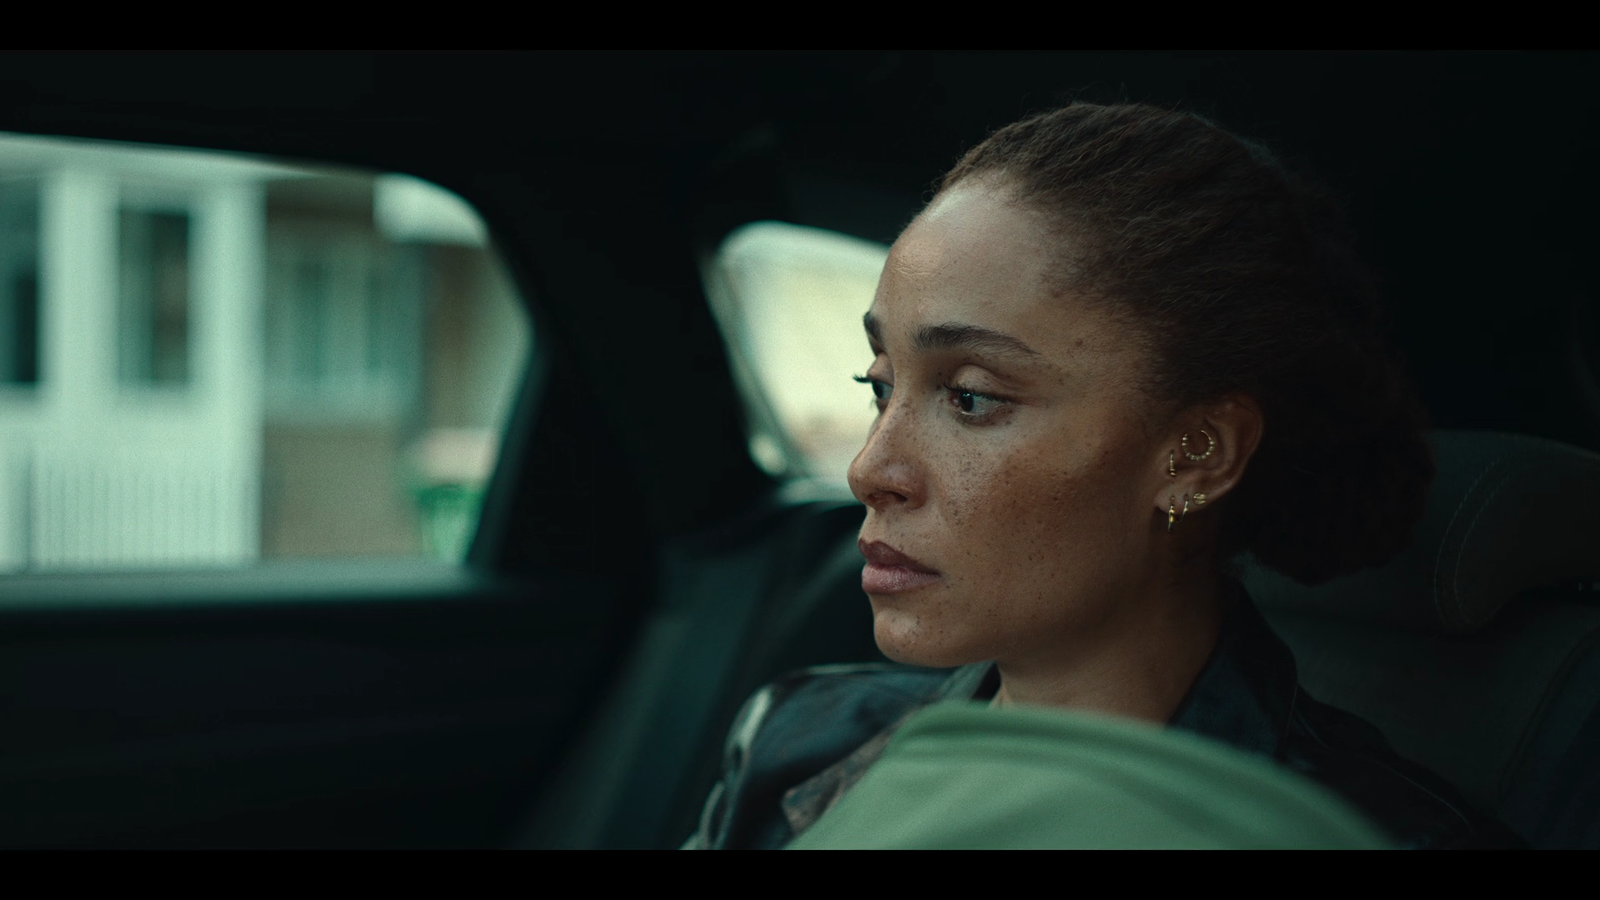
x=1119, y=348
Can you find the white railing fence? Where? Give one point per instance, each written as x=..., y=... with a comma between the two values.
x=108, y=510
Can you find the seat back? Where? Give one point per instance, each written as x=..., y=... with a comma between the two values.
x=1477, y=651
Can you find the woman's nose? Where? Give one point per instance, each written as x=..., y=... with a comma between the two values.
x=885, y=474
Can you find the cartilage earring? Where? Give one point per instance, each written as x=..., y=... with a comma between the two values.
x=1172, y=464
x=1199, y=500
x=1172, y=513
x=1211, y=444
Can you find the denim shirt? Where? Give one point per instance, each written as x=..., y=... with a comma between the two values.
x=801, y=742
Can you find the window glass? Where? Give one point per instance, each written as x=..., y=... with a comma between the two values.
x=153, y=296
x=789, y=300
x=208, y=359
x=19, y=281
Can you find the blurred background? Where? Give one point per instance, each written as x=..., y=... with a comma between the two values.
x=211, y=359
x=296, y=361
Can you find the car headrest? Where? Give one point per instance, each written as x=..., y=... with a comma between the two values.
x=1506, y=514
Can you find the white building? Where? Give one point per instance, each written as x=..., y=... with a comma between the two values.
x=204, y=358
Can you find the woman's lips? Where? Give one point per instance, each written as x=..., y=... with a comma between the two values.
x=888, y=571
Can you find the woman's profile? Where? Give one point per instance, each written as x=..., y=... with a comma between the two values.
x=1120, y=348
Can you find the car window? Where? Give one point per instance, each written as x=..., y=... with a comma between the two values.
x=789, y=300
x=208, y=359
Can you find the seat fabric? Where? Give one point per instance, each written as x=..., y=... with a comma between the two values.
x=1494, y=712
x=1477, y=650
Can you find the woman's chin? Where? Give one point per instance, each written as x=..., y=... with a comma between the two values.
x=904, y=640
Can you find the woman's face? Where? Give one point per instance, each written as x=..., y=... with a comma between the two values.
x=1010, y=473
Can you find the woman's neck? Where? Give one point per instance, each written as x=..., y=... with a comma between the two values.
x=1139, y=666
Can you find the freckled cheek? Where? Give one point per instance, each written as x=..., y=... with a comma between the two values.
x=1003, y=513
x=983, y=499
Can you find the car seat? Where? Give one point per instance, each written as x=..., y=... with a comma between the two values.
x=1477, y=651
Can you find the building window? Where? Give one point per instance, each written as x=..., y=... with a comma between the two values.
x=153, y=297
x=344, y=319
x=19, y=281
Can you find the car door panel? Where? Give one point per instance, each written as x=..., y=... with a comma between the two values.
x=340, y=718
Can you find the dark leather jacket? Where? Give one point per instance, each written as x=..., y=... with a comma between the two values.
x=801, y=742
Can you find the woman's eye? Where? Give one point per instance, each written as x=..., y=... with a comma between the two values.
x=972, y=403
x=880, y=389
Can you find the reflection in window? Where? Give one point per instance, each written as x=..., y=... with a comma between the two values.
x=19, y=281
x=153, y=297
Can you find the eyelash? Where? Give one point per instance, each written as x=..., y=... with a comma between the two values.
x=877, y=399
x=955, y=392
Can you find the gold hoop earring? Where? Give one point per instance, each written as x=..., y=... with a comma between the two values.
x=1185, y=510
x=1172, y=464
x=1211, y=444
x=1199, y=500
x=1172, y=513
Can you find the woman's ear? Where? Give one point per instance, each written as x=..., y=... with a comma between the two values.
x=1211, y=445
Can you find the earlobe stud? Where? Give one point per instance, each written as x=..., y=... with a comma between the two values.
x=1199, y=500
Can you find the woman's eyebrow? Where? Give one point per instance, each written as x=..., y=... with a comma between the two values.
x=956, y=336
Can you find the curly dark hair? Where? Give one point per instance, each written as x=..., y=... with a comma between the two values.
x=1243, y=279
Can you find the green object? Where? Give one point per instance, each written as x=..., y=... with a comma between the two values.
x=963, y=776
x=449, y=519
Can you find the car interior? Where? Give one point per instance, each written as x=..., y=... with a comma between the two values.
x=636, y=571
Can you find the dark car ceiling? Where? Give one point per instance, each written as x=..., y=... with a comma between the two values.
x=1473, y=177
